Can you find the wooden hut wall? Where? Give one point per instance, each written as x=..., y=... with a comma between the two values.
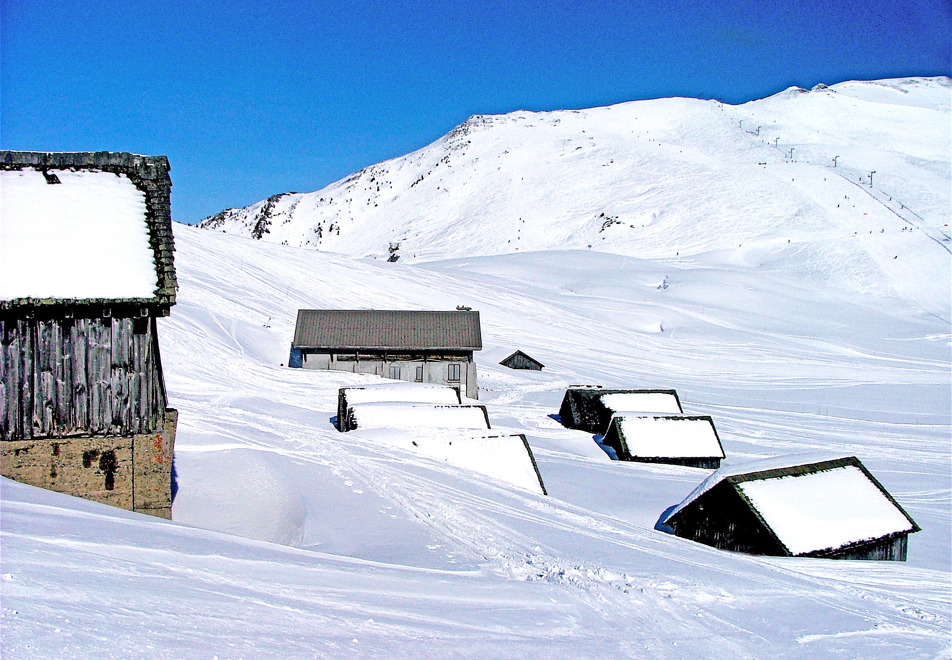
x=891, y=548
x=722, y=519
x=74, y=376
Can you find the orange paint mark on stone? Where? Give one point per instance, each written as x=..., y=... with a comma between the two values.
x=157, y=445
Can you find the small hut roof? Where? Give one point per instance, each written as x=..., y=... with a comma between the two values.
x=505, y=457
x=85, y=228
x=512, y=356
x=418, y=415
x=401, y=392
x=812, y=506
x=387, y=330
x=668, y=436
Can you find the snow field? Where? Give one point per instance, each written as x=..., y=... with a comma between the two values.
x=444, y=559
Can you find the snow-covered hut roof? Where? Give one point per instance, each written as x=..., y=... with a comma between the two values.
x=402, y=391
x=506, y=457
x=416, y=415
x=395, y=392
x=655, y=401
x=667, y=436
x=590, y=407
x=387, y=330
x=85, y=228
x=811, y=506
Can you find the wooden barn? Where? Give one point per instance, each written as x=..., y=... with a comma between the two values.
x=688, y=440
x=415, y=346
x=590, y=407
x=833, y=509
x=520, y=360
x=85, y=270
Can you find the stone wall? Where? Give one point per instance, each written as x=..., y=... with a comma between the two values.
x=129, y=472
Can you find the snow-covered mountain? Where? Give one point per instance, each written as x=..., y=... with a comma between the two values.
x=658, y=178
x=292, y=540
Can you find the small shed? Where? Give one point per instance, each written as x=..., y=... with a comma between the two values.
x=85, y=270
x=671, y=439
x=520, y=360
x=833, y=509
x=590, y=407
x=393, y=392
x=415, y=415
x=414, y=346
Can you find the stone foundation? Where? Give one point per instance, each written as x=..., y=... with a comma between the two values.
x=129, y=472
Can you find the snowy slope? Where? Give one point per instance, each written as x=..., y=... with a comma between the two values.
x=661, y=178
x=291, y=539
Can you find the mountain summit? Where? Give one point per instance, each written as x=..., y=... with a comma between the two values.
x=848, y=175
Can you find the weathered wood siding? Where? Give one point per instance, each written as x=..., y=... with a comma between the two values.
x=62, y=377
x=720, y=518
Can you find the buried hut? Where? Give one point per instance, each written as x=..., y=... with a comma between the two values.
x=429, y=421
x=832, y=509
x=590, y=408
x=672, y=439
x=520, y=360
x=382, y=414
x=415, y=346
x=392, y=393
x=85, y=270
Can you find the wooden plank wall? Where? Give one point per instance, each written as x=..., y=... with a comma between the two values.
x=64, y=377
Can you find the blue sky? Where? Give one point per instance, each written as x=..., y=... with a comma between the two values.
x=248, y=99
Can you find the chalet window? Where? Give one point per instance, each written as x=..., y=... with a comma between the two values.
x=453, y=372
x=395, y=373
x=419, y=374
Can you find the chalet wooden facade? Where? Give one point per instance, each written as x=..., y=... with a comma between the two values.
x=414, y=346
x=83, y=407
x=833, y=509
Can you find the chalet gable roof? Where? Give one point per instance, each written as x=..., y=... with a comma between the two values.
x=334, y=329
x=810, y=507
x=86, y=228
x=520, y=354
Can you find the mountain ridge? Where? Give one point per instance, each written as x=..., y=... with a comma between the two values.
x=818, y=173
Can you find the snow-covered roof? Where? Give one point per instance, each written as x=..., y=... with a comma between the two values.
x=826, y=509
x=505, y=457
x=811, y=501
x=401, y=392
x=645, y=401
x=84, y=227
x=669, y=436
x=422, y=415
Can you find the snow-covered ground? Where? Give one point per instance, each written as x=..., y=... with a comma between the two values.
x=291, y=539
x=363, y=549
